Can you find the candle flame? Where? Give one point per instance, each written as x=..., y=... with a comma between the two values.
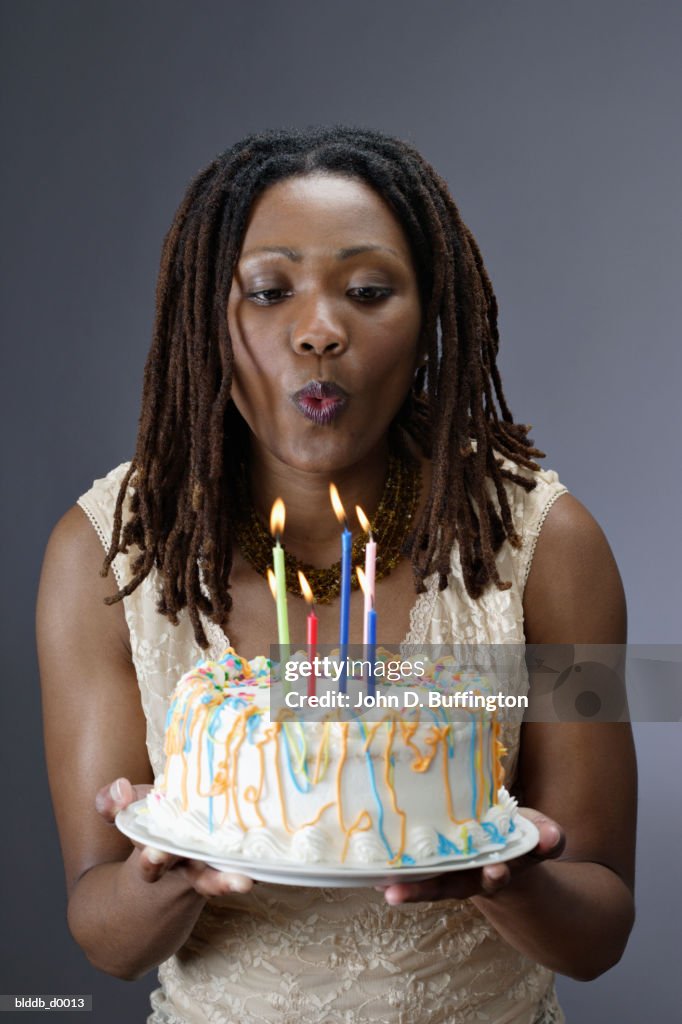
x=362, y=579
x=277, y=517
x=272, y=583
x=363, y=520
x=339, y=510
x=305, y=588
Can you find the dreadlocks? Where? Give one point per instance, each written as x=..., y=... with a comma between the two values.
x=190, y=435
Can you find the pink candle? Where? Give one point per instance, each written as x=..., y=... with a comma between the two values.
x=371, y=633
x=312, y=630
x=370, y=573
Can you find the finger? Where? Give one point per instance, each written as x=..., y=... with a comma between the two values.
x=455, y=886
x=209, y=882
x=112, y=799
x=494, y=877
x=116, y=797
x=552, y=839
x=154, y=863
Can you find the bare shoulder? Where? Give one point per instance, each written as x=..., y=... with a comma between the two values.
x=574, y=592
x=71, y=583
x=74, y=541
x=94, y=724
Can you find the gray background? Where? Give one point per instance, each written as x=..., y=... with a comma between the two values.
x=556, y=126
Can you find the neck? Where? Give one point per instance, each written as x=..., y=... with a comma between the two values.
x=312, y=530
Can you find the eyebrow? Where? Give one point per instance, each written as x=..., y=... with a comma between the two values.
x=341, y=254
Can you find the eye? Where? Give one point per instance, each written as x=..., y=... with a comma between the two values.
x=267, y=296
x=370, y=293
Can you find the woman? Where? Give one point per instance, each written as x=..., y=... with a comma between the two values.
x=323, y=313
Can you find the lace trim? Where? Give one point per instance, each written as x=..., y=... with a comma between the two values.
x=92, y=516
x=549, y=1011
x=217, y=639
x=529, y=550
x=421, y=612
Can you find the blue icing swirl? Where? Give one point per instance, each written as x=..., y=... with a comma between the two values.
x=213, y=724
x=237, y=703
x=445, y=846
x=188, y=739
x=252, y=724
x=170, y=713
x=302, y=788
x=372, y=779
x=493, y=832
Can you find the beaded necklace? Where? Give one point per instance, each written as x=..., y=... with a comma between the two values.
x=390, y=526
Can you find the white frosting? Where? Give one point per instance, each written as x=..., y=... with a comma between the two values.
x=331, y=792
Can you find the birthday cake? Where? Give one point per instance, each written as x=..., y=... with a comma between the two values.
x=405, y=788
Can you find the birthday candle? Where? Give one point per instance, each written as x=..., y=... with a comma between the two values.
x=371, y=649
x=277, y=517
x=312, y=630
x=346, y=548
x=370, y=571
x=370, y=634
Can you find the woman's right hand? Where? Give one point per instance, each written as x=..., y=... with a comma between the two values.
x=154, y=863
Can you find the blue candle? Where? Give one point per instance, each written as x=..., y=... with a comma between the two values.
x=346, y=551
x=371, y=649
x=344, y=625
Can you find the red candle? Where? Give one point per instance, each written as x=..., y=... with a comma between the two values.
x=312, y=631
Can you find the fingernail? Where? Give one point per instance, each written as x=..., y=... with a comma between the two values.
x=116, y=791
x=554, y=834
x=237, y=883
x=155, y=856
x=496, y=876
x=392, y=897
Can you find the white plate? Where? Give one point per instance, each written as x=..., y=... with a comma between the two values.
x=134, y=823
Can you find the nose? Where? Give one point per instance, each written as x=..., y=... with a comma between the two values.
x=317, y=330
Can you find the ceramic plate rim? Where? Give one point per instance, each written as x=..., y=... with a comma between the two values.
x=131, y=823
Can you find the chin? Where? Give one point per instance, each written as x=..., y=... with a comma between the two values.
x=318, y=463
x=323, y=454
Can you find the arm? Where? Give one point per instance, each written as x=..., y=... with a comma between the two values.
x=573, y=914
x=95, y=732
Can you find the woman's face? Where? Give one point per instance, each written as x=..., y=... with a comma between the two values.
x=324, y=315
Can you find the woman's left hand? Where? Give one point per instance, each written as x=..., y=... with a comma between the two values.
x=461, y=885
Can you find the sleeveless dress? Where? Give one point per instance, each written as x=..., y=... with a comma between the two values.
x=296, y=955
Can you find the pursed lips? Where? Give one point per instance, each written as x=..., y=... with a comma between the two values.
x=320, y=401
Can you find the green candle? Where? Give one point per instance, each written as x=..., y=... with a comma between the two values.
x=277, y=529
x=280, y=577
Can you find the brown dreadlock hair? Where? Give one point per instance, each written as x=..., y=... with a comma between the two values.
x=191, y=438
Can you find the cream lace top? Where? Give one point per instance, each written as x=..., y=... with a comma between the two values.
x=342, y=956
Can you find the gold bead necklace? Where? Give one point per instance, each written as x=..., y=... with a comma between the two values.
x=390, y=526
